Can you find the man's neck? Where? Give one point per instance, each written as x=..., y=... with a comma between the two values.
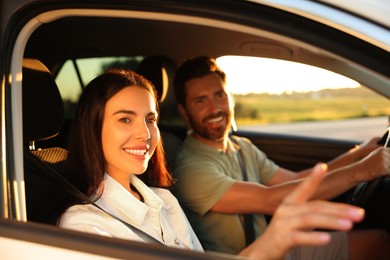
x=220, y=144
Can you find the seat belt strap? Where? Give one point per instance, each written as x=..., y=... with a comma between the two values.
x=248, y=218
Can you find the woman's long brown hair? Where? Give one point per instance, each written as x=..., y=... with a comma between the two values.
x=85, y=162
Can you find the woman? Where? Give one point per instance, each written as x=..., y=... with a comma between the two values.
x=116, y=159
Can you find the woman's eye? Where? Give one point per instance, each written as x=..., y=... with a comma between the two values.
x=124, y=120
x=151, y=120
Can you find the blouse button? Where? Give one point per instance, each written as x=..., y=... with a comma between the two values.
x=177, y=242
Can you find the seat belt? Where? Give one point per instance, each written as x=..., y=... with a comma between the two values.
x=248, y=218
x=59, y=180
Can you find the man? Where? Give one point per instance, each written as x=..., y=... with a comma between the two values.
x=210, y=182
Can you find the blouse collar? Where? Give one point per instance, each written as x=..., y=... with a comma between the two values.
x=121, y=203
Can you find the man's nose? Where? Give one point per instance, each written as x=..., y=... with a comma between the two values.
x=214, y=107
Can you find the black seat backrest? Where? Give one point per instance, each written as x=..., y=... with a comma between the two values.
x=43, y=116
x=43, y=109
x=160, y=71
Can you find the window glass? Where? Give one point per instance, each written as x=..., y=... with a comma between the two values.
x=291, y=98
x=71, y=85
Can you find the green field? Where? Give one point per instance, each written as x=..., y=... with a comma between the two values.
x=321, y=105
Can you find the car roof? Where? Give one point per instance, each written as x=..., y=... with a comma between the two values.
x=377, y=10
x=295, y=32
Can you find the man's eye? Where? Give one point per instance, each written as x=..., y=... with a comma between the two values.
x=221, y=94
x=198, y=101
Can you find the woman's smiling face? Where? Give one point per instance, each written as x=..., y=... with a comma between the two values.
x=129, y=133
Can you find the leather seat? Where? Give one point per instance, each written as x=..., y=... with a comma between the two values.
x=160, y=70
x=43, y=116
x=43, y=109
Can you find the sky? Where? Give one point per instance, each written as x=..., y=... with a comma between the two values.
x=276, y=77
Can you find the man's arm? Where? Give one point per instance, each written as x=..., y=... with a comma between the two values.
x=247, y=197
x=359, y=152
x=293, y=221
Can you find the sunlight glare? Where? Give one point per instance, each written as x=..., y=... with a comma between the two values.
x=246, y=74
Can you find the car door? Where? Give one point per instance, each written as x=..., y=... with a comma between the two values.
x=367, y=62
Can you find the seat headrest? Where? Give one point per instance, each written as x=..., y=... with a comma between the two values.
x=160, y=70
x=43, y=109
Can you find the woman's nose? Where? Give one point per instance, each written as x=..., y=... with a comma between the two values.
x=143, y=131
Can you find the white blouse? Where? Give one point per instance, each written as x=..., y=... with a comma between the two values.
x=160, y=215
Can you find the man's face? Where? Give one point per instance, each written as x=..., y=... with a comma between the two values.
x=207, y=108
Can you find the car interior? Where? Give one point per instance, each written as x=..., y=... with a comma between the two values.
x=164, y=40
x=43, y=116
x=52, y=44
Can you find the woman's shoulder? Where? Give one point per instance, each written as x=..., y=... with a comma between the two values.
x=89, y=218
x=79, y=214
x=166, y=196
x=163, y=192
x=82, y=208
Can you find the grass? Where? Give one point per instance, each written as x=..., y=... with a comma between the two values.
x=314, y=106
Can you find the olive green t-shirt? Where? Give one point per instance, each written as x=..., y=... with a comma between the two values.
x=203, y=175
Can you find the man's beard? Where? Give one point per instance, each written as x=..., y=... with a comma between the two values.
x=214, y=134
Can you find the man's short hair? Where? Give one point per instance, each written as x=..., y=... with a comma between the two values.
x=194, y=68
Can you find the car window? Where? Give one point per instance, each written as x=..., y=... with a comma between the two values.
x=74, y=75
x=273, y=96
x=293, y=98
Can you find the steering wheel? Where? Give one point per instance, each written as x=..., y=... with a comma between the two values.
x=364, y=190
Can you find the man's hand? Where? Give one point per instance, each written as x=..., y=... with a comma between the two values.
x=376, y=164
x=367, y=147
x=296, y=217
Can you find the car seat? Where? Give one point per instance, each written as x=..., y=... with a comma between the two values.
x=43, y=116
x=160, y=70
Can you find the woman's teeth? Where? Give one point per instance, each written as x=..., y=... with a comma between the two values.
x=136, y=152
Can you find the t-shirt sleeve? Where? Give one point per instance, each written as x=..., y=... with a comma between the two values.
x=260, y=168
x=266, y=167
x=200, y=183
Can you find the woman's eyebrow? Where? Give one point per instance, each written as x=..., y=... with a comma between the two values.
x=153, y=113
x=133, y=113
x=123, y=111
